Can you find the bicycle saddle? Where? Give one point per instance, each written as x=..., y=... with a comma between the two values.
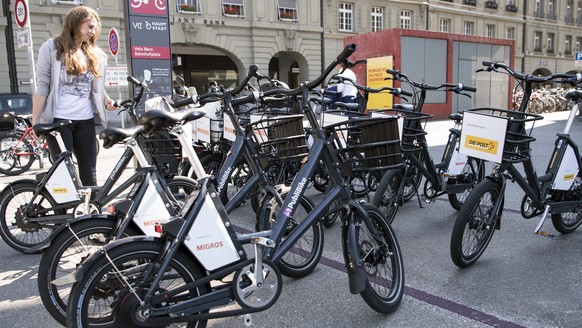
x=155, y=120
x=45, y=128
x=112, y=136
x=456, y=117
x=575, y=95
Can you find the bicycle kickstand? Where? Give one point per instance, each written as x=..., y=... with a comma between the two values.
x=538, y=230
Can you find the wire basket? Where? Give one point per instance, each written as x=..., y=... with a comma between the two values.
x=164, y=151
x=283, y=136
x=517, y=138
x=216, y=130
x=368, y=143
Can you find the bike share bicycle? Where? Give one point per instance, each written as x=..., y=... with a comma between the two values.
x=455, y=175
x=557, y=192
x=33, y=211
x=199, y=264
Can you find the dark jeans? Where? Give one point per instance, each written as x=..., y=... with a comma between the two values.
x=79, y=138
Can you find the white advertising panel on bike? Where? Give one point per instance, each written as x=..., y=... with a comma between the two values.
x=209, y=240
x=228, y=129
x=61, y=186
x=457, y=163
x=483, y=136
x=151, y=211
x=203, y=129
x=567, y=171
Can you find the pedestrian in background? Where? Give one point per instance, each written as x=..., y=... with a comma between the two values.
x=70, y=86
x=347, y=90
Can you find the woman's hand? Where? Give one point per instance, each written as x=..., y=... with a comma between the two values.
x=109, y=105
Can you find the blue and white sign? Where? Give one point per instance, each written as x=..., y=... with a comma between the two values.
x=578, y=55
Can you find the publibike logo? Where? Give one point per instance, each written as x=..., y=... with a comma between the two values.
x=482, y=144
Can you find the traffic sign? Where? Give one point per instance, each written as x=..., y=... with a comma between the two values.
x=113, y=41
x=20, y=12
x=578, y=55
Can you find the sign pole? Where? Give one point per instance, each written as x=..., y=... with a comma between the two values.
x=22, y=16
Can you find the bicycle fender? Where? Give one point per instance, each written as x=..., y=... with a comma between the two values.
x=86, y=265
x=47, y=242
x=10, y=184
x=356, y=274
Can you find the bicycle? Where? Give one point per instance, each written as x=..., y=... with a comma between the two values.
x=455, y=175
x=170, y=284
x=33, y=211
x=20, y=147
x=557, y=192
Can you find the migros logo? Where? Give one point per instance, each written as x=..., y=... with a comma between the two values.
x=209, y=246
x=482, y=144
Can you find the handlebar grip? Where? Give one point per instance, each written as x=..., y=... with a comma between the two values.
x=184, y=102
x=405, y=93
x=253, y=70
x=133, y=80
x=250, y=98
x=469, y=88
x=392, y=72
x=489, y=63
x=347, y=52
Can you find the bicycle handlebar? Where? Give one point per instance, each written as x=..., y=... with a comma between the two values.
x=394, y=91
x=573, y=79
x=457, y=88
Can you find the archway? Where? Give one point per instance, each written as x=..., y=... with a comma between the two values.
x=542, y=72
x=289, y=67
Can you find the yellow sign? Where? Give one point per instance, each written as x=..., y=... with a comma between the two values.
x=568, y=177
x=482, y=144
x=60, y=190
x=376, y=74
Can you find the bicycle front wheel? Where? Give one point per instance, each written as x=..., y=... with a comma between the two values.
x=386, y=196
x=382, y=260
x=473, y=173
x=105, y=297
x=16, y=156
x=473, y=230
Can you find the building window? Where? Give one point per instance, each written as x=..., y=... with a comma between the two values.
x=550, y=43
x=578, y=43
x=491, y=31
x=569, y=12
x=510, y=33
x=377, y=19
x=287, y=10
x=511, y=6
x=188, y=6
x=512, y=2
x=539, y=9
x=346, y=14
x=445, y=25
x=551, y=13
x=469, y=28
x=67, y=2
x=406, y=19
x=568, y=45
x=233, y=8
x=537, y=41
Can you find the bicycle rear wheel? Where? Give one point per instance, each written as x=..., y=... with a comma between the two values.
x=386, y=196
x=16, y=156
x=473, y=173
x=382, y=260
x=568, y=221
x=472, y=231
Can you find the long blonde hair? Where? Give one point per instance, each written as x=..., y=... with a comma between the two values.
x=65, y=42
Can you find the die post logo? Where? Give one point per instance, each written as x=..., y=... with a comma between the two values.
x=482, y=144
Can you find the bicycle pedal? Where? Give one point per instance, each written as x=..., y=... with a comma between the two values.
x=427, y=200
x=546, y=234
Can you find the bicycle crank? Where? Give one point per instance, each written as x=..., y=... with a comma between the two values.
x=252, y=294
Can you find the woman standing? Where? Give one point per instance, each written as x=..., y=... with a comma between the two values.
x=70, y=86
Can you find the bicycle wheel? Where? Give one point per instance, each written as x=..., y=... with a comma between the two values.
x=471, y=232
x=211, y=164
x=103, y=296
x=359, y=184
x=568, y=221
x=238, y=177
x=386, y=197
x=19, y=157
x=181, y=188
x=320, y=178
x=413, y=180
x=303, y=256
x=472, y=173
x=382, y=261
x=15, y=229
x=67, y=251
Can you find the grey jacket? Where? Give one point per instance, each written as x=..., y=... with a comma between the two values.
x=47, y=83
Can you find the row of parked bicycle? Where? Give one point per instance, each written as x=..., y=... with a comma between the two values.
x=167, y=253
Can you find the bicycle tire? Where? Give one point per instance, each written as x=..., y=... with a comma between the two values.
x=181, y=188
x=471, y=234
x=64, y=255
x=320, y=178
x=17, y=234
x=87, y=292
x=567, y=222
x=413, y=181
x=474, y=175
x=386, y=196
x=237, y=178
x=18, y=163
x=305, y=254
x=382, y=293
